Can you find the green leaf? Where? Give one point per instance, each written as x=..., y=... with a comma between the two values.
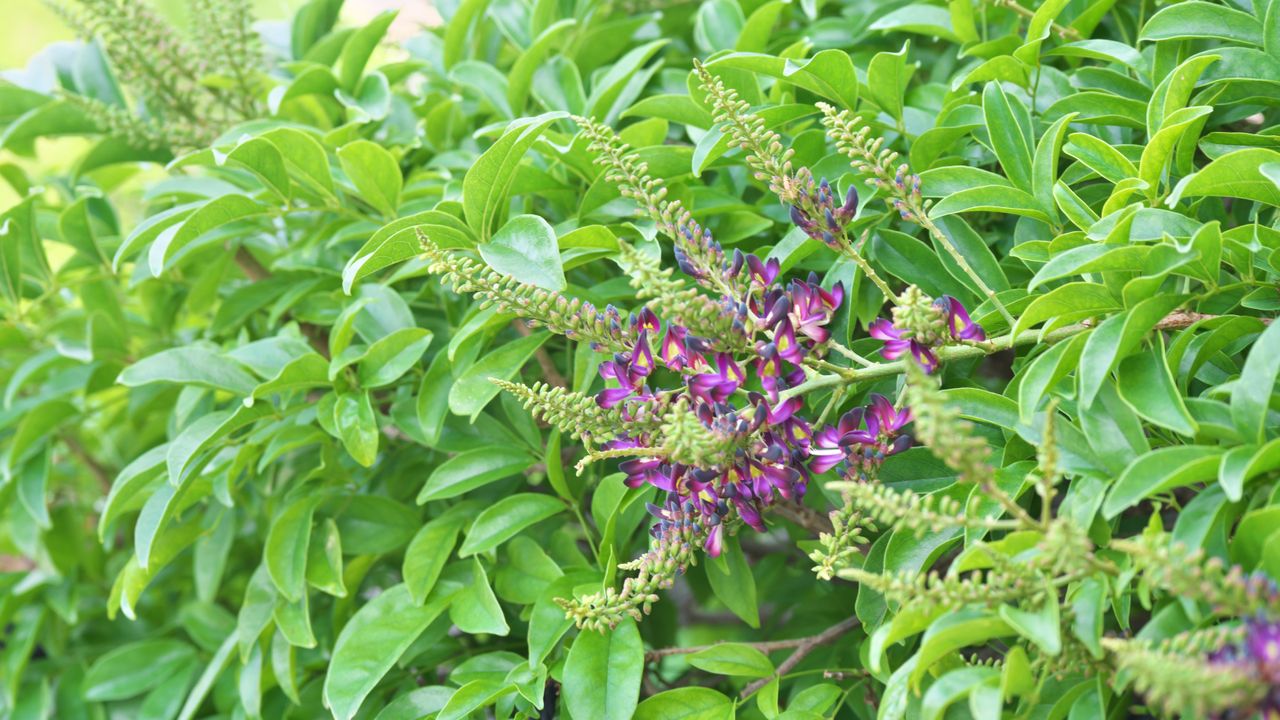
x=952, y=687
x=374, y=172
x=286, y=547
x=397, y=241
x=471, y=697
x=130, y=670
x=189, y=366
x=1068, y=304
x=1242, y=464
x=887, y=78
x=928, y=20
x=359, y=46
x=209, y=216
x=733, y=659
x=955, y=630
x=602, y=673
x=1161, y=470
x=392, y=356
x=370, y=643
x=1115, y=338
x=357, y=426
x=506, y=518
x=476, y=610
x=470, y=470
x=1147, y=386
x=1251, y=394
x=520, y=76
x=990, y=198
x=687, y=703
x=1042, y=627
x=427, y=554
x=526, y=249
x=1009, y=126
x=473, y=391
x=1197, y=20
x=733, y=583
x=828, y=73
x=488, y=181
x=1237, y=174
x=1160, y=147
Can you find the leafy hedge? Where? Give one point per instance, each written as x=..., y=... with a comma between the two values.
x=598, y=359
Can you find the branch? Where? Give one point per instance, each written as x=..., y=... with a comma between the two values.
x=1064, y=32
x=803, y=648
x=257, y=272
x=804, y=516
x=1175, y=320
x=550, y=374
x=765, y=646
x=99, y=471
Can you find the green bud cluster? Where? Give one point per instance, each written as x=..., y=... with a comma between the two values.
x=573, y=318
x=1191, y=574
x=1178, y=685
x=687, y=440
x=940, y=427
x=765, y=153
x=839, y=547
x=906, y=510
x=631, y=176
x=169, y=75
x=932, y=590
x=670, y=554
x=920, y=318
x=579, y=415
x=680, y=303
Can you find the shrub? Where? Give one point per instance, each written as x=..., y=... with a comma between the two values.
x=598, y=360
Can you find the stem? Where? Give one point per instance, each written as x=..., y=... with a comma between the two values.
x=1062, y=31
x=766, y=646
x=1173, y=321
x=941, y=238
x=806, y=646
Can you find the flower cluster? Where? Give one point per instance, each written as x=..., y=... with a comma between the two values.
x=731, y=441
x=821, y=219
x=862, y=438
x=921, y=325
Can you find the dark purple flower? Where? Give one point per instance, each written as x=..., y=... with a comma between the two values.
x=819, y=217
x=646, y=320
x=863, y=436
x=784, y=340
x=763, y=273
x=717, y=386
x=959, y=325
x=896, y=344
x=812, y=308
x=886, y=419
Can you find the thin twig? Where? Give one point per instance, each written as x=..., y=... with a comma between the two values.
x=764, y=646
x=804, y=516
x=257, y=272
x=99, y=471
x=806, y=646
x=550, y=373
x=1173, y=321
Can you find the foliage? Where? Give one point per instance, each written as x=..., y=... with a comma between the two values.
x=826, y=359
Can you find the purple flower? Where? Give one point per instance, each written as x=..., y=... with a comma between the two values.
x=784, y=340
x=819, y=217
x=763, y=273
x=812, y=307
x=959, y=324
x=863, y=436
x=896, y=344
x=717, y=386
